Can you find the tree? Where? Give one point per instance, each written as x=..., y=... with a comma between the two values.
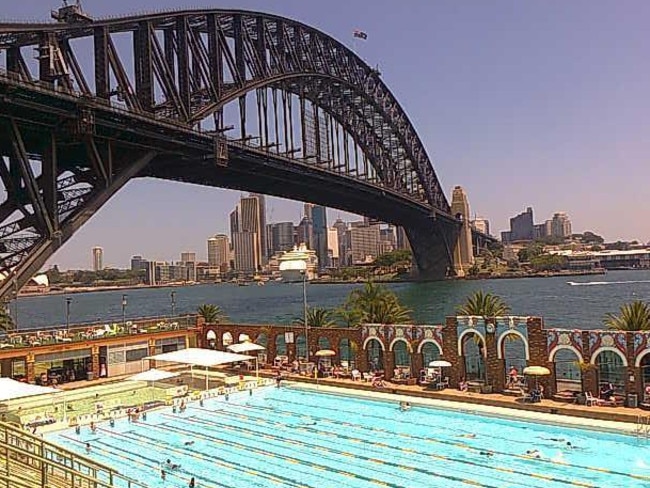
x=483, y=305
x=212, y=314
x=529, y=252
x=6, y=321
x=375, y=304
x=317, y=317
x=549, y=262
x=632, y=316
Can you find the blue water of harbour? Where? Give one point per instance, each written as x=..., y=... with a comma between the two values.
x=292, y=438
x=572, y=302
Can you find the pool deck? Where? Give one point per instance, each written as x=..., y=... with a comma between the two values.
x=598, y=417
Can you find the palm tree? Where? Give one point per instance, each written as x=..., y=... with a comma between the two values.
x=632, y=316
x=483, y=305
x=212, y=314
x=375, y=304
x=6, y=321
x=351, y=317
x=317, y=317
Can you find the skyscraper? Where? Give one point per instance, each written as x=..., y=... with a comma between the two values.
x=333, y=247
x=319, y=232
x=282, y=237
x=98, y=258
x=305, y=232
x=247, y=253
x=522, y=227
x=560, y=225
x=261, y=205
x=245, y=228
x=219, y=252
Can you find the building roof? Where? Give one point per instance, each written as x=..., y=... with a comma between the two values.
x=11, y=389
x=200, y=357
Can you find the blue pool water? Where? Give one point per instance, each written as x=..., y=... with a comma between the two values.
x=293, y=438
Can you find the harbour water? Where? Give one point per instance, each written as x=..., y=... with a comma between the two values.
x=571, y=302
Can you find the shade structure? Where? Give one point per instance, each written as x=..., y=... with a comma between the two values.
x=439, y=364
x=11, y=389
x=153, y=375
x=325, y=353
x=200, y=357
x=537, y=371
x=245, y=347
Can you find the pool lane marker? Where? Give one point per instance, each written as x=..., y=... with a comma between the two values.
x=316, y=466
x=213, y=458
x=137, y=459
x=447, y=442
x=371, y=459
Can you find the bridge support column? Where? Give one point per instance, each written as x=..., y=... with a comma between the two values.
x=463, y=252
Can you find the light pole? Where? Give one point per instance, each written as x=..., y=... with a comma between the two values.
x=123, y=310
x=68, y=300
x=304, y=304
x=16, y=303
x=173, y=298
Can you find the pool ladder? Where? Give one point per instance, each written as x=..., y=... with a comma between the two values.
x=643, y=426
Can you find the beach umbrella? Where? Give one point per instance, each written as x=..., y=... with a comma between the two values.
x=439, y=364
x=325, y=353
x=536, y=371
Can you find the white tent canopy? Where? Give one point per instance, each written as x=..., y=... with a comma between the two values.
x=153, y=375
x=200, y=357
x=11, y=389
x=245, y=347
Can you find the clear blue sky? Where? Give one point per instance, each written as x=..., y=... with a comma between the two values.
x=539, y=102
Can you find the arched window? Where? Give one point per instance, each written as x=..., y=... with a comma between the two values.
x=211, y=337
x=323, y=343
x=514, y=352
x=474, y=361
x=610, y=370
x=375, y=355
x=345, y=353
x=402, y=355
x=567, y=371
x=645, y=374
x=280, y=345
x=430, y=352
x=301, y=346
x=227, y=339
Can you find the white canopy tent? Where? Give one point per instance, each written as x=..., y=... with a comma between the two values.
x=12, y=389
x=245, y=347
x=153, y=375
x=203, y=357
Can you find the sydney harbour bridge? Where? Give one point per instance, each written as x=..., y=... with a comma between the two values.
x=224, y=98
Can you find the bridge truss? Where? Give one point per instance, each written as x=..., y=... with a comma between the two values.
x=197, y=96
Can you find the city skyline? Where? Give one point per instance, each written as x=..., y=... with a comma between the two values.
x=509, y=99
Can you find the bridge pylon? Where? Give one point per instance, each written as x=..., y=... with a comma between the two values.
x=463, y=250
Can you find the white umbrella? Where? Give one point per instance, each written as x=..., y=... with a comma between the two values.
x=245, y=347
x=325, y=352
x=439, y=364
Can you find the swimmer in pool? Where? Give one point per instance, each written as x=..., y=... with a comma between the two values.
x=468, y=436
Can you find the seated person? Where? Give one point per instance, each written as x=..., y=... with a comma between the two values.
x=378, y=381
x=513, y=376
x=607, y=392
x=462, y=385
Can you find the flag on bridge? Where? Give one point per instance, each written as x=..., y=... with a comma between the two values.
x=360, y=34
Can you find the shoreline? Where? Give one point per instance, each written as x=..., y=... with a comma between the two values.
x=96, y=289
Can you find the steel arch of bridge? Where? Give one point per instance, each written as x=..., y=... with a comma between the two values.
x=180, y=72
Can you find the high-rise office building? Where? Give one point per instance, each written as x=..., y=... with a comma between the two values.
x=247, y=253
x=319, y=232
x=333, y=247
x=521, y=227
x=341, y=232
x=305, y=233
x=219, y=253
x=402, y=239
x=234, y=221
x=363, y=242
x=282, y=237
x=560, y=225
x=98, y=258
x=261, y=205
x=387, y=240
x=188, y=262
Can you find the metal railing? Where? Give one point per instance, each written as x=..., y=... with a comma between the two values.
x=27, y=461
x=94, y=331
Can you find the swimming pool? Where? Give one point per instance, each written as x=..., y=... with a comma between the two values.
x=289, y=437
